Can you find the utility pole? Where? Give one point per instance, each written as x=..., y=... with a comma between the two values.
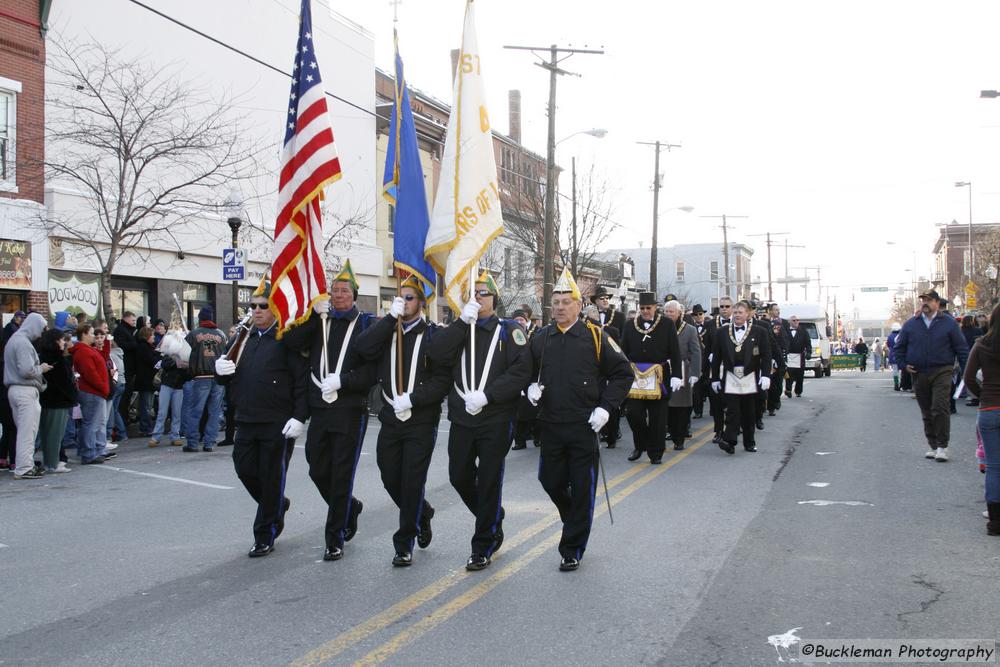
x=725, y=244
x=552, y=65
x=656, y=206
x=573, y=248
x=770, y=292
x=787, y=246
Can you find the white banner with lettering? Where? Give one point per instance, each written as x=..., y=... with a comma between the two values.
x=75, y=293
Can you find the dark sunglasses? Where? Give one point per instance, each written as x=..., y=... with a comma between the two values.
x=484, y=292
x=721, y=307
x=409, y=297
x=259, y=306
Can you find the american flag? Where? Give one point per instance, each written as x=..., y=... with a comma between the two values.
x=308, y=164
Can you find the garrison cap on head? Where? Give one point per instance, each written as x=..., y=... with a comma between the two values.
x=486, y=278
x=930, y=294
x=346, y=275
x=263, y=288
x=414, y=283
x=698, y=309
x=601, y=292
x=647, y=299
x=567, y=285
x=896, y=326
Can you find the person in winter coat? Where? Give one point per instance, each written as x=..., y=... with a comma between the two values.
x=985, y=357
x=173, y=375
x=23, y=374
x=208, y=344
x=861, y=348
x=58, y=399
x=147, y=361
x=94, y=387
x=114, y=359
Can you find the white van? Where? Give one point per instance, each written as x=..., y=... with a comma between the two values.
x=813, y=319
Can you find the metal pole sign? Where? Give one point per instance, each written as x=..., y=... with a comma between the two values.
x=234, y=264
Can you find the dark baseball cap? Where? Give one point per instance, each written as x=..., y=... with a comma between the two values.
x=930, y=294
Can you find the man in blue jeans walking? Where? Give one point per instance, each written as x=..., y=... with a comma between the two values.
x=208, y=344
x=927, y=347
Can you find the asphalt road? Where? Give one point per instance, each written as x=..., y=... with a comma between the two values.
x=143, y=561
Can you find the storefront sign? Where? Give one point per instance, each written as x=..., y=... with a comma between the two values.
x=15, y=264
x=75, y=292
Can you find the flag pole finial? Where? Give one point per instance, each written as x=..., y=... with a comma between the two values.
x=395, y=10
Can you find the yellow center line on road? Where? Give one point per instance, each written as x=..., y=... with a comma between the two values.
x=391, y=615
x=446, y=611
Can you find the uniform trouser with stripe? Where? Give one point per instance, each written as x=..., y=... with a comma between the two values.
x=261, y=455
x=403, y=454
x=475, y=467
x=741, y=415
x=774, y=392
x=333, y=446
x=567, y=469
x=648, y=421
x=794, y=378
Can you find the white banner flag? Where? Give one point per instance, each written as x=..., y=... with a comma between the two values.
x=467, y=214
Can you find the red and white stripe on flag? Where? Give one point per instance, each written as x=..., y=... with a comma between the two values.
x=308, y=164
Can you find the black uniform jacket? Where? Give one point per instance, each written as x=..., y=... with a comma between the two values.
x=779, y=340
x=432, y=381
x=659, y=347
x=706, y=336
x=572, y=371
x=800, y=342
x=754, y=356
x=269, y=384
x=617, y=319
x=356, y=376
x=510, y=371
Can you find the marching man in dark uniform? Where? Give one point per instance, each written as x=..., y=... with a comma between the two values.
x=701, y=389
x=799, y=350
x=338, y=382
x=650, y=344
x=679, y=407
x=741, y=363
x=608, y=316
x=410, y=414
x=715, y=402
x=779, y=343
x=267, y=382
x=571, y=361
x=481, y=408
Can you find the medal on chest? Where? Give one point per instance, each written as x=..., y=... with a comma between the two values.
x=647, y=333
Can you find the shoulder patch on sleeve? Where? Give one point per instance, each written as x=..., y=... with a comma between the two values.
x=614, y=345
x=518, y=336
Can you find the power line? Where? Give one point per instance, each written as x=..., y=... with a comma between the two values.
x=244, y=54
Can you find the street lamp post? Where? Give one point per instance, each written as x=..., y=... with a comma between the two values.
x=233, y=211
x=972, y=256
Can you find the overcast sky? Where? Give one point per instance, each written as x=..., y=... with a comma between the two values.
x=844, y=123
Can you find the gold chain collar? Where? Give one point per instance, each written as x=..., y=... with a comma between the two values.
x=650, y=330
x=732, y=334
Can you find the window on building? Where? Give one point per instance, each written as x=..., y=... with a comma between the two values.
x=196, y=296
x=8, y=131
x=392, y=220
x=713, y=270
x=680, y=272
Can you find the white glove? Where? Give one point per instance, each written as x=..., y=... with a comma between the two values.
x=765, y=382
x=330, y=383
x=693, y=380
x=396, y=309
x=322, y=307
x=470, y=312
x=294, y=429
x=475, y=401
x=598, y=418
x=535, y=393
x=716, y=386
x=224, y=367
x=676, y=384
x=402, y=403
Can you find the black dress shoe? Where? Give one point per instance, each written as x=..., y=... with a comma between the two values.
x=760, y=424
x=770, y=413
x=281, y=520
x=717, y=439
x=520, y=445
x=634, y=456
x=679, y=448
x=225, y=443
x=687, y=434
x=352, y=519
x=656, y=460
x=788, y=394
x=612, y=444
x=498, y=534
x=402, y=559
x=697, y=415
x=727, y=447
x=259, y=550
x=569, y=564
x=424, y=533
x=333, y=553
x=750, y=448
x=477, y=562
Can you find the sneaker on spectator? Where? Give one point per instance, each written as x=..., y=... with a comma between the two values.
x=176, y=443
x=931, y=453
x=3, y=464
x=110, y=446
x=61, y=467
x=109, y=455
x=31, y=474
x=153, y=442
x=941, y=455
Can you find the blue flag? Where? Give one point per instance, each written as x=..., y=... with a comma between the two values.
x=403, y=187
